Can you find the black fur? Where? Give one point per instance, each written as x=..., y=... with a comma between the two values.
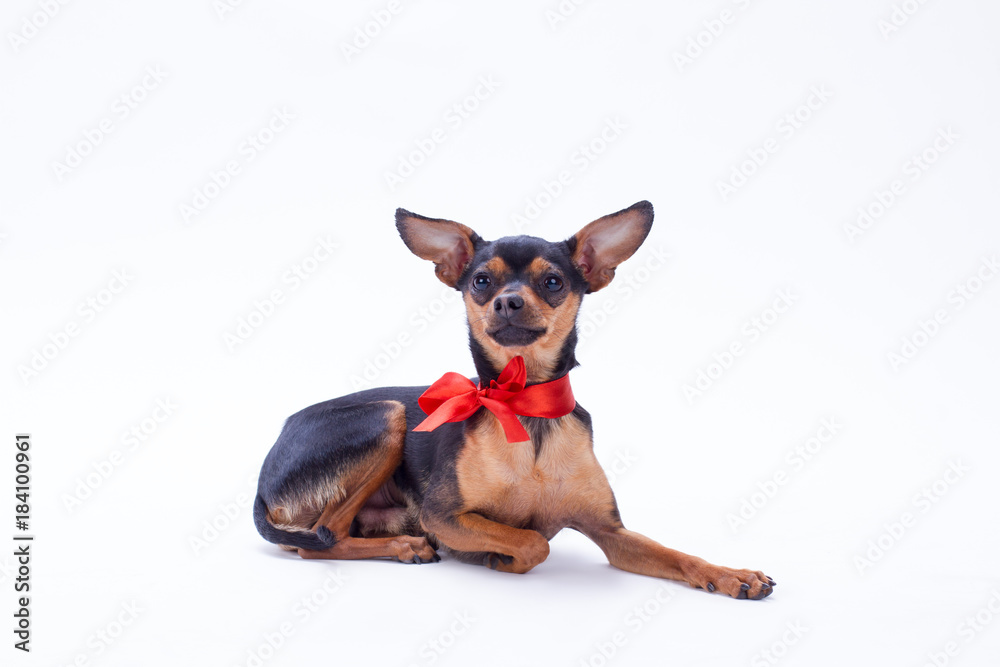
x=328, y=437
x=323, y=539
x=518, y=252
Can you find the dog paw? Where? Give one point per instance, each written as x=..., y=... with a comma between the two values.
x=739, y=584
x=495, y=561
x=415, y=550
x=525, y=556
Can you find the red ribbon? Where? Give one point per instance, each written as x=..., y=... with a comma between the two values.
x=455, y=398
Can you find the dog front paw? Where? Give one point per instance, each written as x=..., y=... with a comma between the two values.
x=523, y=557
x=739, y=584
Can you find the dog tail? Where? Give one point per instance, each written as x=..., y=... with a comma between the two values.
x=320, y=540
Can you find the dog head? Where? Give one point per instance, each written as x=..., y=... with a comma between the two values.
x=522, y=293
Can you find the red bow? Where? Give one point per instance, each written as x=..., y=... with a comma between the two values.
x=454, y=398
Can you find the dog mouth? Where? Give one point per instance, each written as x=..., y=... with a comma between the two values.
x=514, y=336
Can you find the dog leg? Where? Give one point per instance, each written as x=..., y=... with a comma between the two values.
x=507, y=549
x=404, y=548
x=359, y=483
x=637, y=553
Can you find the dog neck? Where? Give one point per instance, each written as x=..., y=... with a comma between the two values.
x=542, y=365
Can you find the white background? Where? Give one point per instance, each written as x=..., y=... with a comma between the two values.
x=683, y=466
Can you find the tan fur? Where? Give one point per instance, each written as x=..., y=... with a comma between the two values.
x=382, y=522
x=607, y=242
x=365, y=477
x=539, y=268
x=506, y=483
x=298, y=513
x=401, y=547
x=522, y=549
x=498, y=268
x=446, y=243
x=511, y=497
x=361, y=481
x=336, y=501
x=541, y=356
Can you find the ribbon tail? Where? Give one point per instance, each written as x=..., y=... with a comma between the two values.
x=455, y=409
x=512, y=427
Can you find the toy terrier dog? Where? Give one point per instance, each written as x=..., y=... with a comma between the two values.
x=488, y=470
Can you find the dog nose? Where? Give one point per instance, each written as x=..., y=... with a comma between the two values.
x=507, y=304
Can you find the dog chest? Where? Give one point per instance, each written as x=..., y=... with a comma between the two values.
x=507, y=483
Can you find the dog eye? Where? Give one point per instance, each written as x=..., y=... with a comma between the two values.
x=481, y=281
x=553, y=283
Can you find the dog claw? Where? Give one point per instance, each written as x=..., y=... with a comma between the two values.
x=738, y=584
x=416, y=559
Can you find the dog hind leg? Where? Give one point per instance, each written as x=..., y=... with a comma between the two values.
x=365, y=477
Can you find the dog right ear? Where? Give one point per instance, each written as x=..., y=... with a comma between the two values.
x=450, y=245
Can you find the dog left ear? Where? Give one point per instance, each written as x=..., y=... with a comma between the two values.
x=450, y=245
x=605, y=243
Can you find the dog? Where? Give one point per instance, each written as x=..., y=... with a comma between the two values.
x=488, y=470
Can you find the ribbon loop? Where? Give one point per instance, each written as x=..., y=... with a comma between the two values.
x=454, y=398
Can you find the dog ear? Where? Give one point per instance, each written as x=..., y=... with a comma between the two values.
x=607, y=242
x=450, y=245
